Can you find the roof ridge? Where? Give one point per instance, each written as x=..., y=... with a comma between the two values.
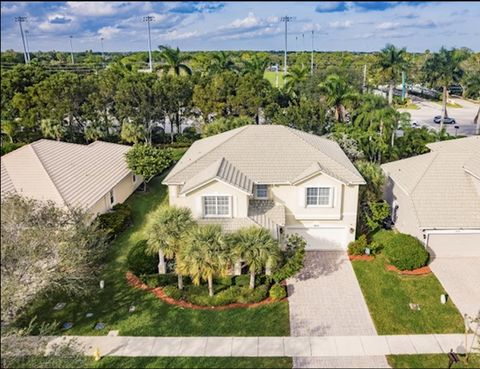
x=308, y=143
x=240, y=129
x=42, y=164
x=425, y=171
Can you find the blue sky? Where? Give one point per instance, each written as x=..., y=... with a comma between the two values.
x=355, y=26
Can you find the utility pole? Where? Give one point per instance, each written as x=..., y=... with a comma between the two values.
x=20, y=20
x=303, y=47
x=285, y=19
x=364, y=87
x=311, y=59
x=28, y=46
x=103, y=54
x=71, y=49
x=149, y=19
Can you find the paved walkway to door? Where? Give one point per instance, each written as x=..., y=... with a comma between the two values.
x=325, y=300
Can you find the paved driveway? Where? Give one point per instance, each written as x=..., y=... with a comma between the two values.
x=461, y=279
x=325, y=300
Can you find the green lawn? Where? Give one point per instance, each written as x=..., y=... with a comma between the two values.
x=271, y=77
x=388, y=295
x=431, y=361
x=152, y=317
x=160, y=362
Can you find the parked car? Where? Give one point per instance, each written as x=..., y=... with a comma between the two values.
x=447, y=120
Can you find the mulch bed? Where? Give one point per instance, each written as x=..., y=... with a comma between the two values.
x=136, y=282
x=361, y=257
x=420, y=271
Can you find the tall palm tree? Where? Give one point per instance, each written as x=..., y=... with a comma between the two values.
x=165, y=232
x=256, y=247
x=392, y=61
x=255, y=66
x=174, y=60
x=338, y=92
x=221, y=62
x=295, y=77
x=441, y=70
x=204, y=254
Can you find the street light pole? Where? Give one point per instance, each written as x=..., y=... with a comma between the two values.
x=311, y=59
x=28, y=46
x=285, y=19
x=148, y=19
x=71, y=49
x=103, y=54
x=20, y=20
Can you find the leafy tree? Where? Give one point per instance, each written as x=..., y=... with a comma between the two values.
x=225, y=124
x=205, y=254
x=53, y=128
x=255, y=66
x=166, y=231
x=9, y=129
x=348, y=144
x=377, y=213
x=44, y=247
x=441, y=70
x=148, y=161
x=220, y=62
x=132, y=133
x=295, y=77
x=392, y=61
x=174, y=61
x=471, y=78
x=257, y=248
x=337, y=93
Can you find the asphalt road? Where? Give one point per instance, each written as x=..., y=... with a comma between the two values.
x=428, y=109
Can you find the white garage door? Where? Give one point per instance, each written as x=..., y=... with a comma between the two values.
x=454, y=245
x=321, y=238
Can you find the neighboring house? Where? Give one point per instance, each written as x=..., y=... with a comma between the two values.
x=436, y=196
x=94, y=176
x=285, y=180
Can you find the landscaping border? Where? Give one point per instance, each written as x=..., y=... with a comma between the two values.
x=420, y=271
x=136, y=282
x=361, y=257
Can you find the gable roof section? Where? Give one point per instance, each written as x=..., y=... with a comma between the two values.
x=266, y=154
x=442, y=192
x=467, y=144
x=69, y=173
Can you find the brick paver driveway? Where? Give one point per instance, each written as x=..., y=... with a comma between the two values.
x=461, y=279
x=325, y=300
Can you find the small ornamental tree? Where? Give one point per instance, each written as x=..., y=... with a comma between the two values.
x=148, y=161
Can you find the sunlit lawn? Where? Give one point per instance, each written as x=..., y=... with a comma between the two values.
x=271, y=77
x=152, y=317
x=431, y=361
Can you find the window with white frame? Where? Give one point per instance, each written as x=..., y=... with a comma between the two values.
x=216, y=206
x=261, y=191
x=319, y=196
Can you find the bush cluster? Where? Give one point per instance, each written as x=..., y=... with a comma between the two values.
x=115, y=220
x=277, y=292
x=406, y=252
x=294, y=255
x=139, y=262
x=358, y=246
x=159, y=280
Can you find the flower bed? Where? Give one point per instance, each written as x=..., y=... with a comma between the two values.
x=136, y=282
x=420, y=271
x=361, y=257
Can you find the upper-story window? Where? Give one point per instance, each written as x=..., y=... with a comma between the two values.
x=216, y=206
x=261, y=191
x=319, y=196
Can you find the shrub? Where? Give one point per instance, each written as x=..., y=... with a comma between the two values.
x=277, y=292
x=224, y=281
x=173, y=292
x=295, y=253
x=375, y=248
x=406, y=252
x=357, y=247
x=139, y=262
x=159, y=280
x=249, y=296
x=242, y=280
x=115, y=220
x=383, y=237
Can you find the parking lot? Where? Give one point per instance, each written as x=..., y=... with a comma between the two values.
x=428, y=110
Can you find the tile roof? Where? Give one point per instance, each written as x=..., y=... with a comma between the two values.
x=442, y=191
x=265, y=154
x=64, y=172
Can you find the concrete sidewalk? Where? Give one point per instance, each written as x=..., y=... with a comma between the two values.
x=333, y=346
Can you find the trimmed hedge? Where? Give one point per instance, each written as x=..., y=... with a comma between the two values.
x=159, y=280
x=406, y=252
x=173, y=292
x=358, y=247
x=139, y=262
x=295, y=253
x=115, y=220
x=277, y=292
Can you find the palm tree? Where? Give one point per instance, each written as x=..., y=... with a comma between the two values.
x=174, y=60
x=441, y=70
x=9, y=128
x=255, y=66
x=392, y=62
x=338, y=92
x=221, y=62
x=256, y=247
x=165, y=232
x=204, y=254
x=295, y=77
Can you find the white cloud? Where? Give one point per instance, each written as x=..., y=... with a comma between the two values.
x=15, y=8
x=248, y=22
x=341, y=24
x=387, y=25
x=175, y=35
x=311, y=27
x=58, y=22
x=108, y=32
x=98, y=8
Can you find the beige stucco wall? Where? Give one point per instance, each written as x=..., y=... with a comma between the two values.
x=121, y=192
x=406, y=219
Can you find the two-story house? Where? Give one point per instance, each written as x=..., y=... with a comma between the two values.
x=285, y=180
